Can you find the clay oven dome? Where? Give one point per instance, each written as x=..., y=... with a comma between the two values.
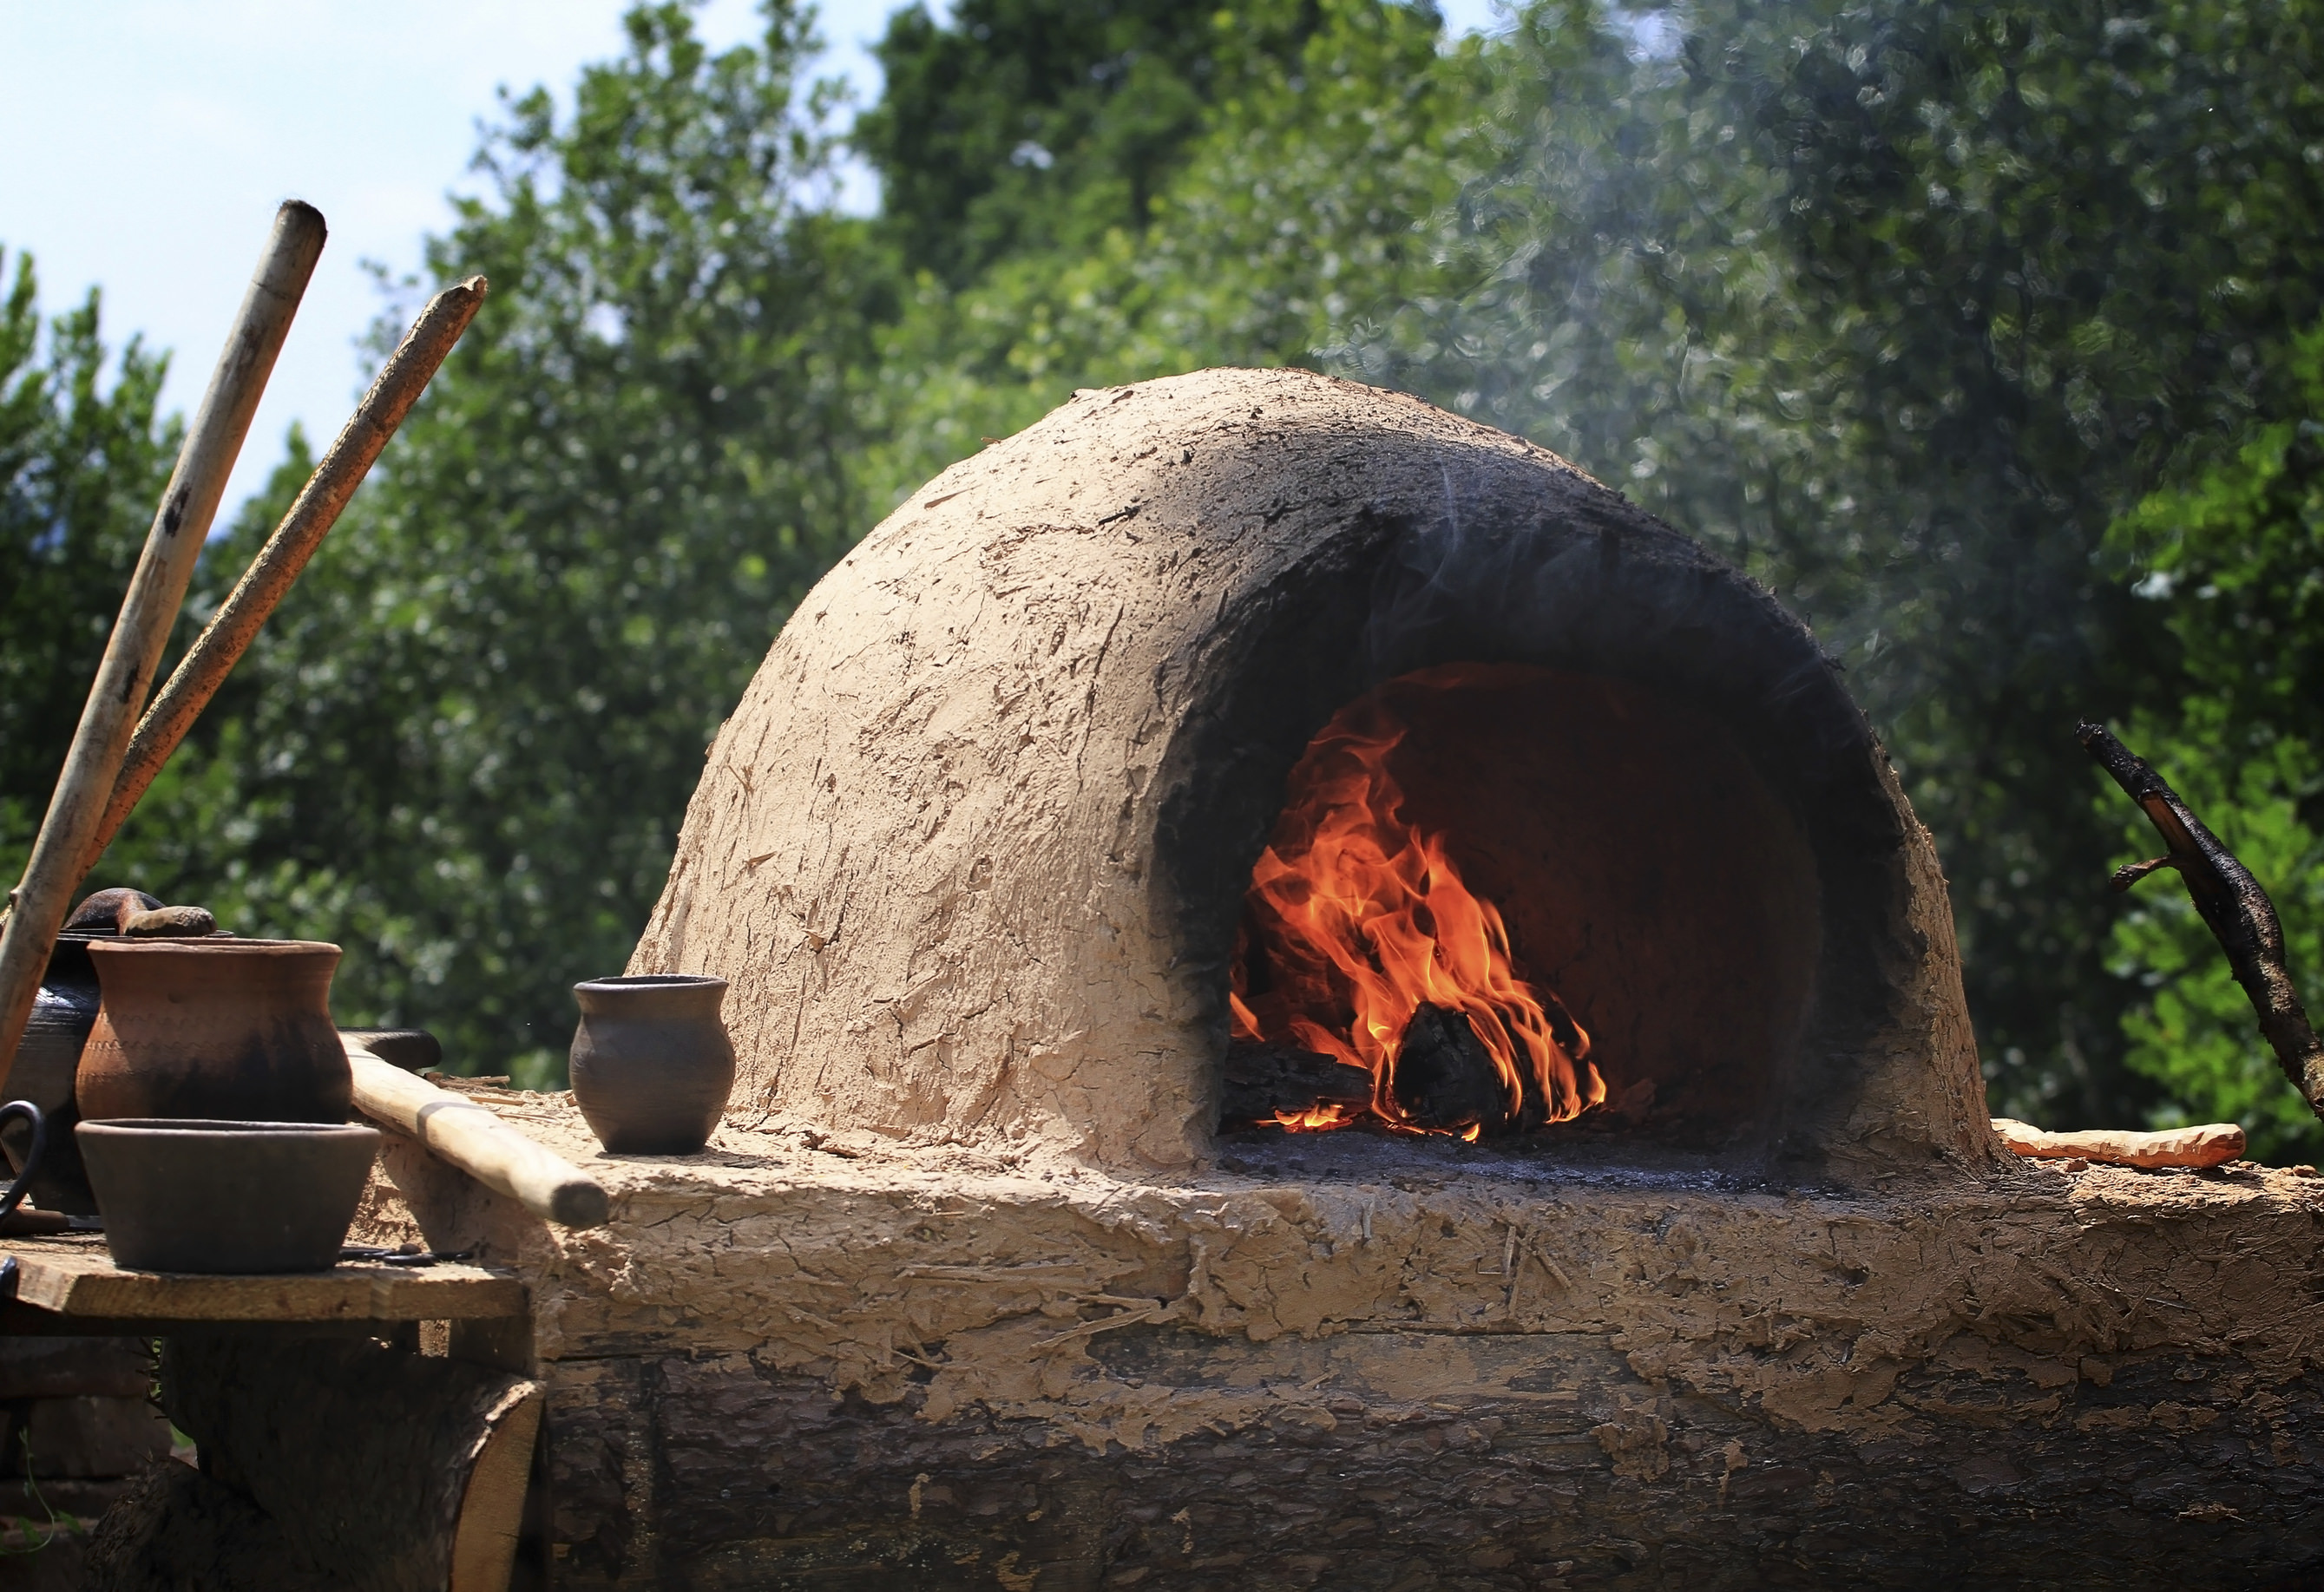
x=973, y=851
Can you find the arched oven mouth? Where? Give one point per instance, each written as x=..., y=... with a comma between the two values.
x=1547, y=912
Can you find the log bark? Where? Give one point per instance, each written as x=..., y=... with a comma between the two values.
x=390, y=1471
x=1557, y=1467
x=2232, y=903
x=176, y=1530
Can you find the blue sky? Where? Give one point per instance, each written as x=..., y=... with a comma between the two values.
x=149, y=142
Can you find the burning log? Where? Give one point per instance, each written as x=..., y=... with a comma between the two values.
x=1444, y=1076
x=1263, y=1081
x=1356, y=917
x=2234, y=907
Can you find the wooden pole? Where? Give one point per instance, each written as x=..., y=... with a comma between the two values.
x=133, y=653
x=230, y=631
x=468, y=1136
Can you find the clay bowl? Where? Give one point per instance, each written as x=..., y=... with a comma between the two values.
x=193, y=1196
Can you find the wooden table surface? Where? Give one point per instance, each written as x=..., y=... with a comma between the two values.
x=73, y=1280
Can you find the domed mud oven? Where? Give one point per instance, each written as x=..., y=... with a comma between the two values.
x=1260, y=744
x=977, y=848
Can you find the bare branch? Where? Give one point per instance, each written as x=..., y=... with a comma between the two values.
x=2233, y=906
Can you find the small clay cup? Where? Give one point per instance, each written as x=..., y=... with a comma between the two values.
x=216, y=1030
x=652, y=1062
x=239, y=1197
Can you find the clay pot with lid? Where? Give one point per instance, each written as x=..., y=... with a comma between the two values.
x=651, y=1064
x=221, y=1029
x=64, y=1011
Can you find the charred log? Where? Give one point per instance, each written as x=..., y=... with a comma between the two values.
x=1444, y=1076
x=2234, y=907
x=1262, y=1079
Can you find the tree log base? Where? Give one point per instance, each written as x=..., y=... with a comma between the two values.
x=341, y=1463
x=800, y=1360
x=1551, y=1462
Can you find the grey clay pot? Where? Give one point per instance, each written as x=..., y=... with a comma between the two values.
x=239, y=1197
x=64, y=1009
x=652, y=1062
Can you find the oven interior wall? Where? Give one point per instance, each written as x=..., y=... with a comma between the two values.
x=1647, y=875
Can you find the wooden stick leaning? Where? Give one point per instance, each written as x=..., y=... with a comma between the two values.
x=468, y=1135
x=223, y=641
x=133, y=653
x=2237, y=912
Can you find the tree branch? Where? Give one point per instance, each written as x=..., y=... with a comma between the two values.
x=2237, y=912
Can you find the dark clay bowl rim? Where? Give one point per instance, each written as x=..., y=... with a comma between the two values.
x=651, y=982
x=196, y=1128
x=209, y=946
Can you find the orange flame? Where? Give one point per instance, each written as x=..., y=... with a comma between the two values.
x=1355, y=919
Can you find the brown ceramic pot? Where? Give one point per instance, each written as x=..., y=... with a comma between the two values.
x=652, y=1062
x=219, y=1030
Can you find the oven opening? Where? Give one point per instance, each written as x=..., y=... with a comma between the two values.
x=1511, y=904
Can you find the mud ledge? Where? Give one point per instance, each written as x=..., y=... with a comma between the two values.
x=845, y=1361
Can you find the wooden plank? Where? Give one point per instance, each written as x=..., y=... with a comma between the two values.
x=77, y=1280
x=30, y=1321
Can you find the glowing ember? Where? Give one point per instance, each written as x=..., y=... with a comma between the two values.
x=1355, y=920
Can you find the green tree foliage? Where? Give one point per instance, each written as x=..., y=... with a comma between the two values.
x=1292, y=200
x=1037, y=125
x=2235, y=562
x=1901, y=303
x=466, y=738
x=82, y=464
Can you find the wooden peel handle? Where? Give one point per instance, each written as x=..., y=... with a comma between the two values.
x=468, y=1136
